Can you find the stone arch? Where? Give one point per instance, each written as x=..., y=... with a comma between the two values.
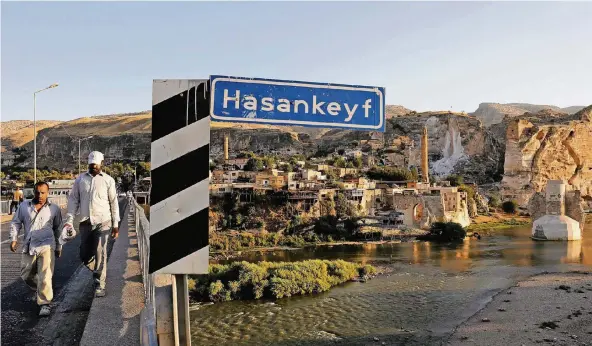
x=417, y=212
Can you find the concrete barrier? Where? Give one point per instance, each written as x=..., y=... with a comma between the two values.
x=115, y=319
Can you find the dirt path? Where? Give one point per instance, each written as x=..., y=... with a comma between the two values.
x=554, y=309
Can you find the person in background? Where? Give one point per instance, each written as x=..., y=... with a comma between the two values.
x=94, y=198
x=42, y=222
x=17, y=198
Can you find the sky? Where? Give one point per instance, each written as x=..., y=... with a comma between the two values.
x=428, y=55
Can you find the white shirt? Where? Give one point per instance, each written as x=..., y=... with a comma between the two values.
x=94, y=198
x=41, y=228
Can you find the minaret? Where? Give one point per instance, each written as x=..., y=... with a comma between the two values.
x=424, y=156
x=226, y=147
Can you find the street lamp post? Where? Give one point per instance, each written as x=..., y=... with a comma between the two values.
x=35, y=129
x=79, y=141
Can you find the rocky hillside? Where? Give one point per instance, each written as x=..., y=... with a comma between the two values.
x=16, y=133
x=542, y=147
x=494, y=113
x=458, y=143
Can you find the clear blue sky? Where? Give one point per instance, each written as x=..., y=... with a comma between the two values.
x=429, y=56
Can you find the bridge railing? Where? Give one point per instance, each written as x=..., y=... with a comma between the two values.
x=148, y=334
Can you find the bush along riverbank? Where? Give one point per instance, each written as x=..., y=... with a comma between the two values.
x=245, y=281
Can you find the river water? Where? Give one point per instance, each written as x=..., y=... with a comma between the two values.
x=431, y=289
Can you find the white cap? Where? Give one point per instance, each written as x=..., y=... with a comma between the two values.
x=95, y=157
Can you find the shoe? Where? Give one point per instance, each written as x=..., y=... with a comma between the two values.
x=99, y=292
x=45, y=310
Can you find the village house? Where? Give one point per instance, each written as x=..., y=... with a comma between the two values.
x=268, y=179
x=239, y=163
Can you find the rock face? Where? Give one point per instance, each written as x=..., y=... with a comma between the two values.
x=542, y=149
x=494, y=113
x=15, y=133
x=457, y=143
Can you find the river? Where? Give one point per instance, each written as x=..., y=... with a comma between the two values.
x=431, y=289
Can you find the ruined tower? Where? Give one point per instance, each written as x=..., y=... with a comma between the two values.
x=424, y=156
x=226, y=140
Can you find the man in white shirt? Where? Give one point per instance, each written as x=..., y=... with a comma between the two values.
x=94, y=198
x=41, y=222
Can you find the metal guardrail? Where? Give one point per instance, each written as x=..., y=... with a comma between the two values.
x=148, y=316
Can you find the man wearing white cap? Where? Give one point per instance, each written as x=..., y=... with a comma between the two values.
x=94, y=198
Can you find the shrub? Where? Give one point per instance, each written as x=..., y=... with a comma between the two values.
x=243, y=280
x=445, y=232
x=455, y=180
x=494, y=202
x=510, y=207
x=367, y=270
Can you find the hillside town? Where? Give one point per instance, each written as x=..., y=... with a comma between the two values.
x=310, y=184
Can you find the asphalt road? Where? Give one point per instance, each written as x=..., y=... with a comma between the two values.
x=19, y=318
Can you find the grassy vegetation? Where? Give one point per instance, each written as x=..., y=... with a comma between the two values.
x=246, y=240
x=497, y=225
x=243, y=280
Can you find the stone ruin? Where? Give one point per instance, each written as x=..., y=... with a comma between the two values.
x=552, y=220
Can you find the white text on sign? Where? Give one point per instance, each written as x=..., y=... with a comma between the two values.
x=313, y=106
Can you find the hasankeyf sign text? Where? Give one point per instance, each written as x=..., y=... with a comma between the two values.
x=280, y=102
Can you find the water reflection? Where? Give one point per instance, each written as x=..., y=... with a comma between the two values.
x=431, y=289
x=512, y=247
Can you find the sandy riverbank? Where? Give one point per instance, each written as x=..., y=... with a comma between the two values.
x=551, y=309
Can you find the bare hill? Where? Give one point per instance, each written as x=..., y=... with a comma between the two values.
x=494, y=113
x=15, y=133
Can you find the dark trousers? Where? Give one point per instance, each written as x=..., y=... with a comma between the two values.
x=13, y=204
x=93, y=251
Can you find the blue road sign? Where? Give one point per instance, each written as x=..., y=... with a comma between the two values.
x=280, y=102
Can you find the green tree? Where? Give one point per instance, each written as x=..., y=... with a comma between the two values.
x=254, y=164
x=287, y=167
x=245, y=154
x=510, y=207
x=455, y=180
x=447, y=231
x=357, y=162
x=390, y=173
x=494, y=201
x=143, y=169
x=269, y=161
x=339, y=162
x=349, y=165
x=343, y=208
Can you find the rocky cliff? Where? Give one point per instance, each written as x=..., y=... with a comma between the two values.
x=16, y=133
x=494, y=113
x=458, y=143
x=542, y=147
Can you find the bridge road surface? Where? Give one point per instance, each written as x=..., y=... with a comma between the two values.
x=20, y=322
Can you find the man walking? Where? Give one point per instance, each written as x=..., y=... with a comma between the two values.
x=42, y=222
x=17, y=198
x=94, y=198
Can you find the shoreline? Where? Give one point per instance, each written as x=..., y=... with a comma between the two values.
x=543, y=308
x=219, y=255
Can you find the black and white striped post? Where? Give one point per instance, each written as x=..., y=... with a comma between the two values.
x=179, y=199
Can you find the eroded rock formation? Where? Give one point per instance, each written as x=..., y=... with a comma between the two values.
x=543, y=149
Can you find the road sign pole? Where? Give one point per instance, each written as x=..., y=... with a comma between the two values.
x=181, y=310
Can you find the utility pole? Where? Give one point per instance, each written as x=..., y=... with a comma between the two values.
x=35, y=129
x=79, y=164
